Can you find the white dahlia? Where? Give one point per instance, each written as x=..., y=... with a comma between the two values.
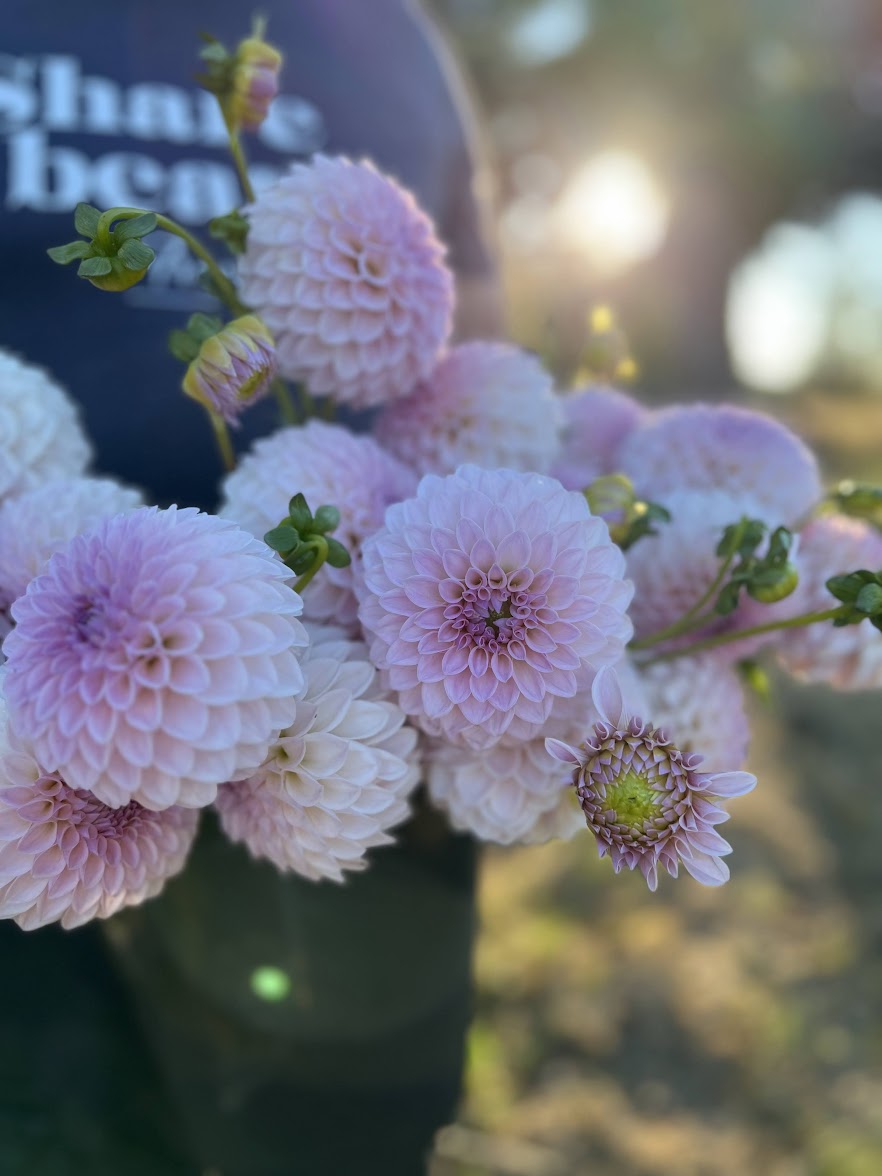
x=329, y=465
x=509, y=793
x=337, y=779
x=346, y=271
x=699, y=703
x=487, y=403
x=155, y=658
x=40, y=434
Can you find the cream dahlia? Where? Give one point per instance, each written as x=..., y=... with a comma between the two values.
x=155, y=657
x=329, y=465
x=40, y=434
x=346, y=271
x=337, y=779
x=487, y=403
x=485, y=594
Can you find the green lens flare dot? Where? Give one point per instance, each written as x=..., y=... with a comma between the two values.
x=269, y=983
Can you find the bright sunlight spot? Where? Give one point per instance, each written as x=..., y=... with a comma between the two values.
x=613, y=210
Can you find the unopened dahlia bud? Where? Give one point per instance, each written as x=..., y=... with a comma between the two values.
x=254, y=83
x=233, y=368
x=647, y=803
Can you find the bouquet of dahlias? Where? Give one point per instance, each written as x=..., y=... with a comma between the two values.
x=533, y=613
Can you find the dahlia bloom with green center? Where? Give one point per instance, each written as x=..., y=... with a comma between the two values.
x=647, y=803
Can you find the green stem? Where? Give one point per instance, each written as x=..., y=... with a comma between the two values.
x=239, y=161
x=285, y=402
x=693, y=618
x=736, y=635
x=321, y=554
x=224, y=444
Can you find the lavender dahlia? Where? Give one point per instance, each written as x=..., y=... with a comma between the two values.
x=155, y=657
x=723, y=448
x=65, y=856
x=338, y=779
x=645, y=801
x=328, y=464
x=485, y=594
x=348, y=274
x=596, y=423
x=488, y=403
x=35, y=524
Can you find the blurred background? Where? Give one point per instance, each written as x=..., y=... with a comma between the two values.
x=689, y=201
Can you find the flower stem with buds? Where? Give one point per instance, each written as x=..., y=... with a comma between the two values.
x=706, y=643
x=320, y=545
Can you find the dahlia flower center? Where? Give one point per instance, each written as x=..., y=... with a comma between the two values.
x=92, y=622
x=493, y=608
x=79, y=808
x=634, y=799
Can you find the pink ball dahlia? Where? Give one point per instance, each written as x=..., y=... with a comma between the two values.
x=346, y=271
x=485, y=594
x=155, y=657
x=723, y=448
x=700, y=702
x=66, y=856
x=673, y=569
x=645, y=801
x=488, y=403
x=329, y=465
x=505, y=794
x=849, y=658
x=596, y=423
x=335, y=781
x=40, y=434
x=34, y=525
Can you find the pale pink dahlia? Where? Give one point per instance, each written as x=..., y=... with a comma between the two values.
x=505, y=794
x=40, y=434
x=699, y=701
x=723, y=448
x=34, y=525
x=335, y=781
x=849, y=658
x=485, y=594
x=329, y=465
x=596, y=423
x=488, y=403
x=66, y=856
x=346, y=271
x=645, y=801
x=155, y=657
x=673, y=569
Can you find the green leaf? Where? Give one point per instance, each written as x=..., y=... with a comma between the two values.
x=203, y=326
x=94, y=267
x=338, y=556
x=327, y=518
x=232, y=228
x=86, y=219
x=282, y=538
x=727, y=601
x=869, y=600
x=300, y=514
x=183, y=346
x=301, y=561
x=136, y=255
x=844, y=588
x=137, y=227
x=73, y=251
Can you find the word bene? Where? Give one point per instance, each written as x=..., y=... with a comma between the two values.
x=46, y=101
